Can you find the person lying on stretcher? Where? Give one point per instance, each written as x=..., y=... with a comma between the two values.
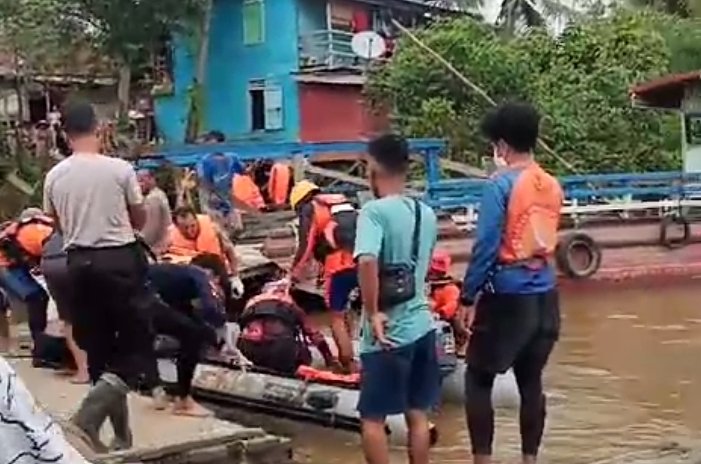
x=276, y=333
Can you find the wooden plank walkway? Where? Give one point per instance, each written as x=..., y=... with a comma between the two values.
x=159, y=436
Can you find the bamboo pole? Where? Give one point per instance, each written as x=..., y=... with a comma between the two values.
x=475, y=88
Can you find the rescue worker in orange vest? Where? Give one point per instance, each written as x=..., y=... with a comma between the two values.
x=512, y=280
x=279, y=183
x=444, y=293
x=21, y=244
x=276, y=333
x=327, y=225
x=244, y=189
x=192, y=234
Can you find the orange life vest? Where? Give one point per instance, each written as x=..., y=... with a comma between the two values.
x=279, y=183
x=444, y=299
x=244, y=189
x=311, y=374
x=207, y=240
x=24, y=240
x=334, y=222
x=532, y=218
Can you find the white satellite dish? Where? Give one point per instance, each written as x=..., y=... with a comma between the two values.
x=368, y=44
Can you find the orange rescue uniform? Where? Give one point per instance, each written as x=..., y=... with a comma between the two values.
x=279, y=183
x=26, y=237
x=245, y=189
x=207, y=240
x=444, y=299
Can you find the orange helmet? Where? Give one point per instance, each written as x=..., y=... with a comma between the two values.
x=440, y=262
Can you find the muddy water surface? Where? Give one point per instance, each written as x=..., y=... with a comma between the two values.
x=624, y=384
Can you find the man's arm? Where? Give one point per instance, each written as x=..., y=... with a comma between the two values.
x=228, y=248
x=48, y=205
x=135, y=200
x=487, y=241
x=368, y=244
x=306, y=240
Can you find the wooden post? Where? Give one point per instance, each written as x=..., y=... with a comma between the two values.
x=298, y=162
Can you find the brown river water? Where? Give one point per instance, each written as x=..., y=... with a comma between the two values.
x=624, y=385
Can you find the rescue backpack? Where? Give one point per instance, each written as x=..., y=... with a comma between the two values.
x=10, y=247
x=340, y=229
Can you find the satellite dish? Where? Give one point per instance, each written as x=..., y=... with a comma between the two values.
x=368, y=44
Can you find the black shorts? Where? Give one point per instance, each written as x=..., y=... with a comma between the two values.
x=509, y=326
x=61, y=291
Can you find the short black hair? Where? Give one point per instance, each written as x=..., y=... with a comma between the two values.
x=184, y=211
x=212, y=262
x=516, y=123
x=216, y=136
x=79, y=119
x=391, y=152
x=215, y=264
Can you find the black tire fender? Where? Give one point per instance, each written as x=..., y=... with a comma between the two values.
x=669, y=221
x=564, y=258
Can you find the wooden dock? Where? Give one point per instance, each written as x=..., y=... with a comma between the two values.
x=159, y=436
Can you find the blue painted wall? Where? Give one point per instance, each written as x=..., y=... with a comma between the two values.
x=171, y=111
x=231, y=66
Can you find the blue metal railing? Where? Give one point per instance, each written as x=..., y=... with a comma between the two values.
x=451, y=193
x=328, y=48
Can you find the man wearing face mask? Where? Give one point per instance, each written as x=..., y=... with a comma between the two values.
x=511, y=277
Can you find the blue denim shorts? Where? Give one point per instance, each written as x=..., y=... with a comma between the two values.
x=18, y=283
x=403, y=379
x=339, y=288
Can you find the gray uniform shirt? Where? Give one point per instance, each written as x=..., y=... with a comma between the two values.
x=90, y=195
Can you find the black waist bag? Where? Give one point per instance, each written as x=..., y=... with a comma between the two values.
x=398, y=281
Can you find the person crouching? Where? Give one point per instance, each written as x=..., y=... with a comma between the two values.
x=275, y=332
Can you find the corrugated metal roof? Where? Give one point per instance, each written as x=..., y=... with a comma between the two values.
x=666, y=92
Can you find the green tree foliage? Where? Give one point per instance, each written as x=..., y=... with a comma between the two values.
x=579, y=81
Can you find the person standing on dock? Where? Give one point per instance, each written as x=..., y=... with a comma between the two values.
x=400, y=372
x=158, y=214
x=512, y=281
x=215, y=176
x=97, y=202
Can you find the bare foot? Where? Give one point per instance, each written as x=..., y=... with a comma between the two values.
x=189, y=407
x=80, y=378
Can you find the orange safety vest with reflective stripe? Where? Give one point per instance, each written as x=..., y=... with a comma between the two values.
x=207, y=240
x=25, y=238
x=532, y=218
x=279, y=183
x=245, y=189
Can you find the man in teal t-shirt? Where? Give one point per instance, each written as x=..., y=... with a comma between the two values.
x=400, y=370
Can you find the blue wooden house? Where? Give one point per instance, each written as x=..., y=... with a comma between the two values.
x=282, y=70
